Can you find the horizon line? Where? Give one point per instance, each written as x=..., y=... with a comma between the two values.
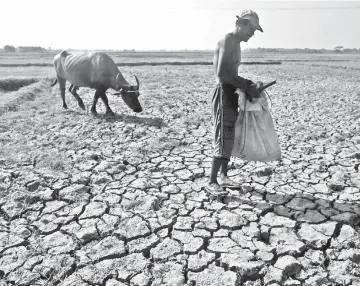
x=169, y=50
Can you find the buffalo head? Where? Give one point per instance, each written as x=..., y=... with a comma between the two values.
x=130, y=95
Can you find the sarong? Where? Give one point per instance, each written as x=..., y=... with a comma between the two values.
x=224, y=114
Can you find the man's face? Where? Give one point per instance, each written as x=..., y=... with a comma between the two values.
x=248, y=31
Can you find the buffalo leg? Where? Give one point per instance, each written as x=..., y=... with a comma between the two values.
x=95, y=100
x=72, y=89
x=62, y=83
x=106, y=102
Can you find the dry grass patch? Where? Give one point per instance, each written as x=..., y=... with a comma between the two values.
x=24, y=134
x=53, y=160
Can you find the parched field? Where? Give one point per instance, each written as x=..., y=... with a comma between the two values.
x=119, y=200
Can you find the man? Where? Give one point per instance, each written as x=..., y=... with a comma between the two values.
x=225, y=100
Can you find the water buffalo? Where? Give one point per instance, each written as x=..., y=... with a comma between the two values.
x=95, y=70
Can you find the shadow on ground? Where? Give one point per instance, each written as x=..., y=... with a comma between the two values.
x=149, y=121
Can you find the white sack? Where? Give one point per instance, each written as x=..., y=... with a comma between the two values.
x=255, y=136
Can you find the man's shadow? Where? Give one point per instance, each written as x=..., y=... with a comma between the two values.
x=301, y=207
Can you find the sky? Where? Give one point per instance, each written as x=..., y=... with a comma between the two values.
x=176, y=24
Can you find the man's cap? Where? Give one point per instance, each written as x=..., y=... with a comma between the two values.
x=252, y=17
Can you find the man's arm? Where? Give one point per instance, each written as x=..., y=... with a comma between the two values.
x=225, y=69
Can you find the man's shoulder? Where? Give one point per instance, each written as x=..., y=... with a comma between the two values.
x=226, y=40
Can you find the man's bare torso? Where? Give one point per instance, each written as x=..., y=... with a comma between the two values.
x=226, y=60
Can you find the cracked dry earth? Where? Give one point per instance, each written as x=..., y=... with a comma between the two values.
x=119, y=201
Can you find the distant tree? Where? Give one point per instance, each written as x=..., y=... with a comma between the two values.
x=338, y=49
x=9, y=49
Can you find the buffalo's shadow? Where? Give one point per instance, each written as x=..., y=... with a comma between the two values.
x=142, y=120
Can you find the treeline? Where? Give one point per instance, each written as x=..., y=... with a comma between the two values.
x=305, y=50
x=22, y=49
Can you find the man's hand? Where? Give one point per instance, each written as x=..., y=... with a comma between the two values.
x=259, y=84
x=249, y=82
x=252, y=91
